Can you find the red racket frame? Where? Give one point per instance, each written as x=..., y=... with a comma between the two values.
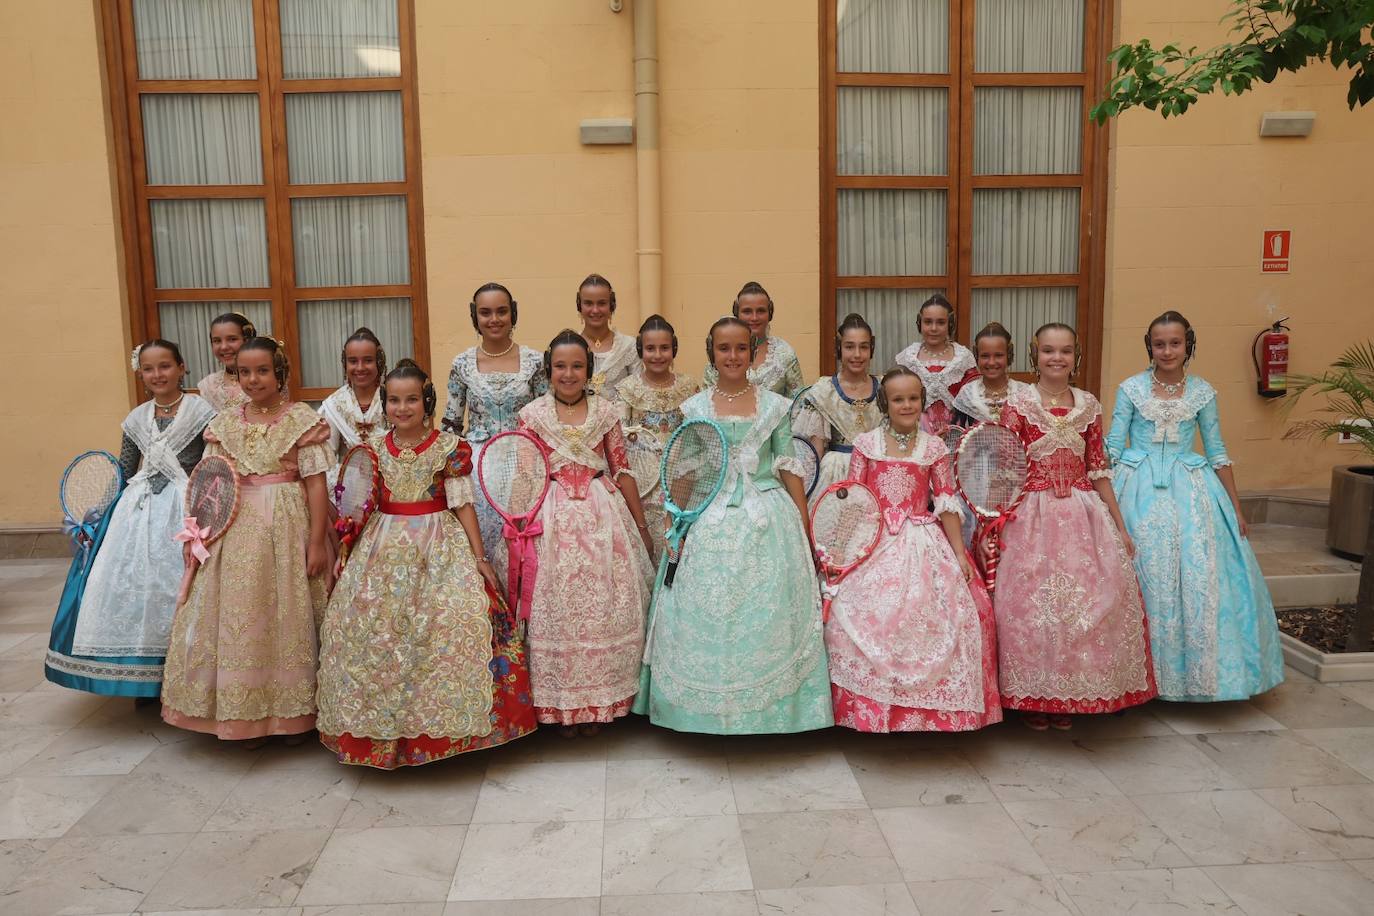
x=835, y=574
x=990, y=523
x=516, y=586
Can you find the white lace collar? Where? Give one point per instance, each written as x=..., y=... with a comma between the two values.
x=342, y=411
x=938, y=383
x=1167, y=413
x=927, y=450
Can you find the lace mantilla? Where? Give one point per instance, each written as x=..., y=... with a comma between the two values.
x=832, y=415
x=939, y=382
x=652, y=412
x=1057, y=432
x=160, y=448
x=615, y=364
x=348, y=423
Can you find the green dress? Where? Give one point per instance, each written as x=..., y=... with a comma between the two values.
x=735, y=646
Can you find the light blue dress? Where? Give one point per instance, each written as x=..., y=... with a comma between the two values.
x=1213, y=633
x=480, y=405
x=735, y=647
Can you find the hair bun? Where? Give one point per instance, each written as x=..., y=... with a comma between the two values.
x=408, y=363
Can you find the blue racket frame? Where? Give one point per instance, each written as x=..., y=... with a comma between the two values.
x=82, y=530
x=800, y=442
x=683, y=518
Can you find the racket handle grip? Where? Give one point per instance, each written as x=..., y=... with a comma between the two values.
x=671, y=574
x=990, y=567
x=184, y=591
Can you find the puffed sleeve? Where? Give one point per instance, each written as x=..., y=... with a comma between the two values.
x=810, y=423
x=1122, y=414
x=792, y=382
x=613, y=446
x=1209, y=424
x=784, y=457
x=942, y=483
x=313, y=455
x=457, y=401
x=457, y=474
x=1095, y=454
x=212, y=444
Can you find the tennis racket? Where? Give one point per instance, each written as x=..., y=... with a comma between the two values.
x=692, y=473
x=805, y=452
x=514, y=473
x=212, y=502
x=952, y=436
x=846, y=523
x=798, y=404
x=90, y=485
x=990, y=470
x=356, y=494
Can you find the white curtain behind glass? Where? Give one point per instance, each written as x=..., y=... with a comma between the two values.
x=209, y=243
x=1022, y=311
x=339, y=38
x=350, y=241
x=1028, y=36
x=202, y=139
x=892, y=131
x=194, y=39
x=1027, y=131
x=892, y=36
x=325, y=325
x=892, y=315
x=891, y=232
x=1025, y=231
x=334, y=137
x=187, y=324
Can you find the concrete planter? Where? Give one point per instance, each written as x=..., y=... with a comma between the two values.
x=1352, y=500
x=1324, y=666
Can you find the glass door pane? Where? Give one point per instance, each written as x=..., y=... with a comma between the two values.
x=1025, y=231
x=892, y=315
x=209, y=244
x=350, y=241
x=195, y=40
x=337, y=137
x=202, y=139
x=333, y=39
x=1028, y=36
x=187, y=324
x=892, y=131
x=1027, y=131
x=326, y=323
x=884, y=233
x=892, y=36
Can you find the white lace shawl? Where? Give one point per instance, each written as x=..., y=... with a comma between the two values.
x=1059, y=432
x=160, y=448
x=938, y=383
x=613, y=365
x=972, y=400
x=341, y=411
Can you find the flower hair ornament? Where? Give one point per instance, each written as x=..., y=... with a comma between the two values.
x=133, y=357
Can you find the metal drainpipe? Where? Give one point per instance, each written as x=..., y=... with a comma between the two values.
x=649, y=253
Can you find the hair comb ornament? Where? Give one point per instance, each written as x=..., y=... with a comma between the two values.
x=133, y=357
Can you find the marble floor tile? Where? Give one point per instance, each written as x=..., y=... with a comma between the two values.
x=23, y=743
x=101, y=750
x=571, y=906
x=277, y=796
x=47, y=806
x=1361, y=692
x=1363, y=866
x=1299, y=704
x=239, y=870
x=636, y=739
x=33, y=647
x=385, y=865
x=1352, y=746
x=1185, y=891
x=568, y=854
x=547, y=745
x=899, y=779
x=1136, y=722
x=254, y=911
x=1295, y=889
x=19, y=674
x=375, y=909
x=673, y=855
x=435, y=795
x=858, y=900
x=1339, y=817
x=1206, y=718
x=809, y=782
x=817, y=848
x=59, y=707
x=1263, y=760
x=1094, y=834
x=676, y=787
x=1037, y=895
x=1139, y=766
x=16, y=856
x=1028, y=768
x=1234, y=827
x=719, y=903
x=541, y=791
x=957, y=841
x=92, y=875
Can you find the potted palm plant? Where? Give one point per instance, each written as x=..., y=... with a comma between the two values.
x=1348, y=412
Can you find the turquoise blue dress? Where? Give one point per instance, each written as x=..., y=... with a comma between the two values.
x=736, y=647
x=1213, y=634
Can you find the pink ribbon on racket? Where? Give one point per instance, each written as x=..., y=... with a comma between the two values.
x=193, y=534
x=523, y=564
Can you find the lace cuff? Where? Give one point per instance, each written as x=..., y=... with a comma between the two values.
x=314, y=459
x=789, y=464
x=948, y=502
x=1220, y=461
x=1103, y=474
x=458, y=491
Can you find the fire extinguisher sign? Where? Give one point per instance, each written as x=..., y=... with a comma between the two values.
x=1278, y=247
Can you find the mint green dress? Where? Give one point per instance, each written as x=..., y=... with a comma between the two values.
x=735, y=647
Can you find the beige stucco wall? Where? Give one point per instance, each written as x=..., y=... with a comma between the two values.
x=1190, y=199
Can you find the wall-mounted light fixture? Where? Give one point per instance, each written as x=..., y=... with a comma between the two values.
x=607, y=131
x=1287, y=123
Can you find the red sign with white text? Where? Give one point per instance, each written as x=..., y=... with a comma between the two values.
x=1278, y=245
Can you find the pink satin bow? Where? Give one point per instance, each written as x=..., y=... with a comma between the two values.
x=194, y=535
x=523, y=564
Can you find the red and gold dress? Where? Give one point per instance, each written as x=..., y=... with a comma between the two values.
x=912, y=645
x=419, y=659
x=1070, y=620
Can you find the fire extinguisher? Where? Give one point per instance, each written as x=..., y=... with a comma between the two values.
x=1270, y=353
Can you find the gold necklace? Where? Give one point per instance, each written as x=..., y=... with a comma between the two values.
x=598, y=341
x=1054, y=396
x=407, y=453
x=486, y=352
x=266, y=411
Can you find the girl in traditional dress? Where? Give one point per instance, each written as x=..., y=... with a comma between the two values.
x=1213, y=636
x=115, y=642
x=586, y=620
x=837, y=409
x=241, y=664
x=911, y=636
x=228, y=332
x=775, y=366
x=487, y=386
x=736, y=645
x=354, y=411
x=943, y=363
x=650, y=409
x=1070, y=624
x=981, y=399
x=613, y=353
x=419, y=659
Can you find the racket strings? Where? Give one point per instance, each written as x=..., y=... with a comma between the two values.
x=845, y=525
x=514, y=473
x=357, y=485
x=692, y=468
x=212, y=494
x=91, y=485
x=991, y=468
